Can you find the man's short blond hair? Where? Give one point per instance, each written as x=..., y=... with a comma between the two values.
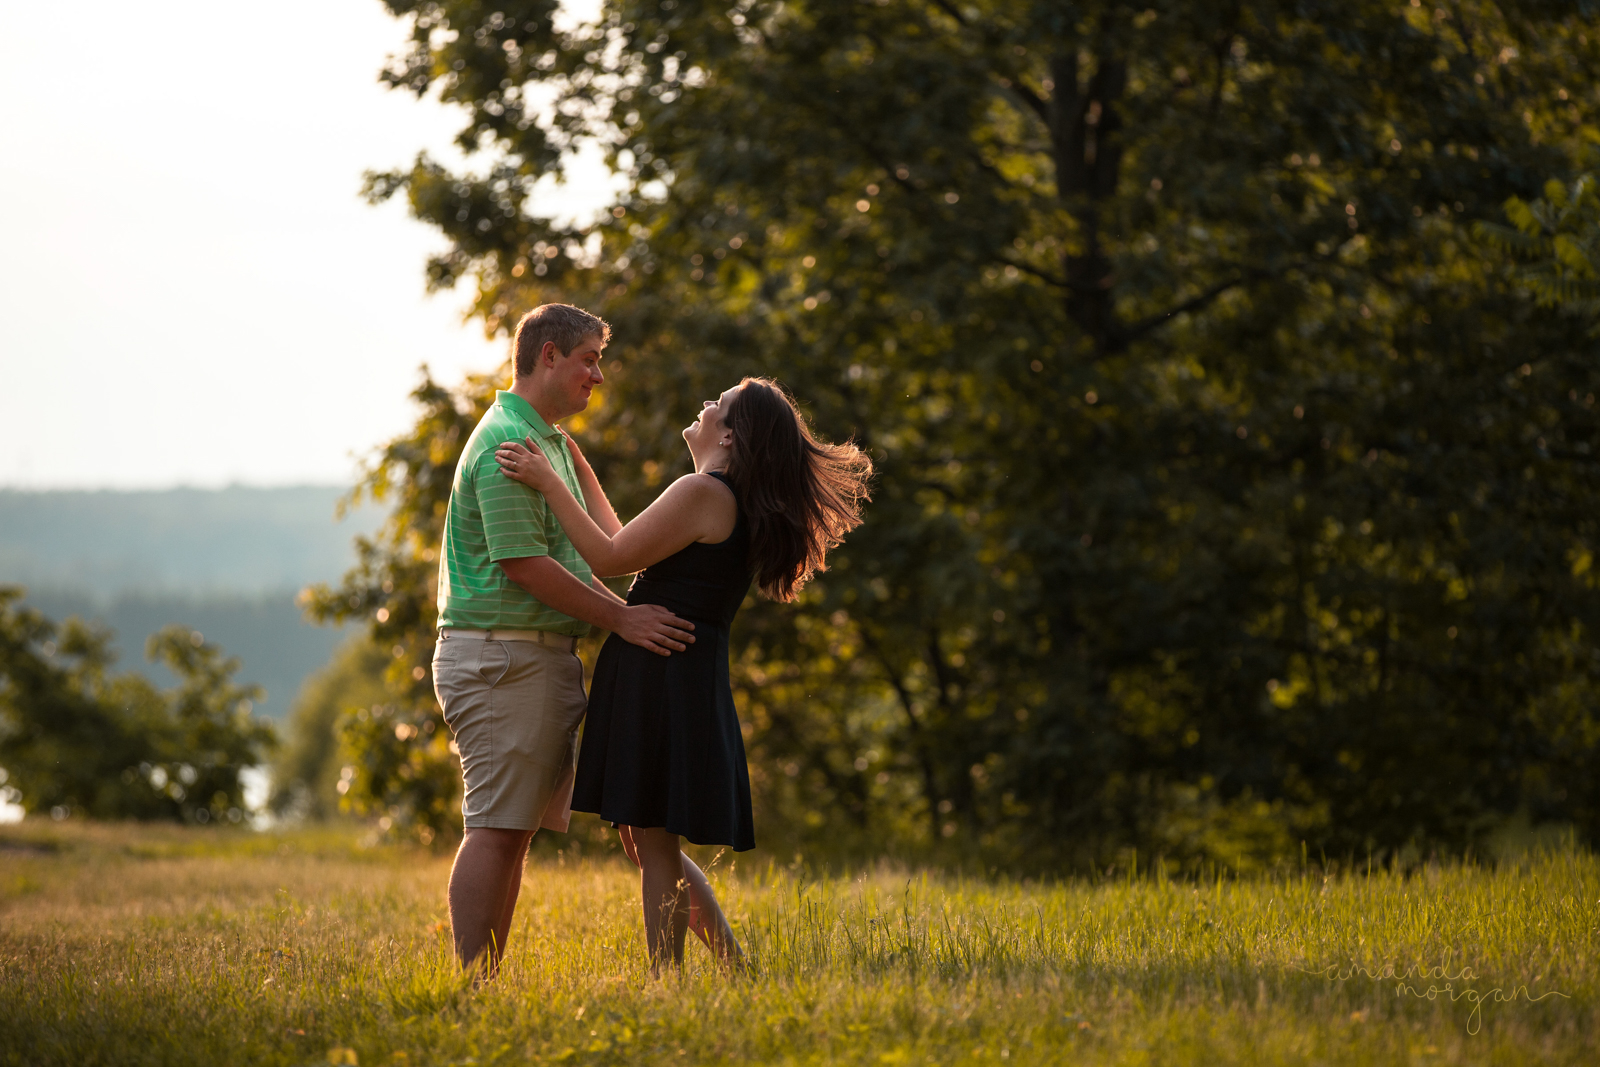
x=563, y=324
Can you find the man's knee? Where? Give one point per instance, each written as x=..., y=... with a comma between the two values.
x=494, y=839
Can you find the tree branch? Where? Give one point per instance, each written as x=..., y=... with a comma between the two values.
x=1028, y=96
x=1144, y=326
x=1042, y=275
x=951, y=10
x=930, y=784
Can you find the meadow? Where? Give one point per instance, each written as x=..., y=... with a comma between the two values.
x=161, y=945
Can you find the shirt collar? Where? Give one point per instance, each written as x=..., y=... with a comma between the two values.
x=524, y=411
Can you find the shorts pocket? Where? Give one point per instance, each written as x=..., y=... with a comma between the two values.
x=449, y=674
x=494, y=660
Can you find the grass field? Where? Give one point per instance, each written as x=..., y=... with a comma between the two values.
x=128, y=945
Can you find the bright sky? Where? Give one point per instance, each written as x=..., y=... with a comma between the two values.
x=192, y=292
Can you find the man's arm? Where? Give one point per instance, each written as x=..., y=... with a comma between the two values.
x=646, y=625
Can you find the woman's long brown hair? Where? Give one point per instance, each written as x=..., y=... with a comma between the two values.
x=799, y=495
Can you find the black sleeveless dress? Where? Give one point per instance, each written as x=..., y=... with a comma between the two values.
x=661, y=744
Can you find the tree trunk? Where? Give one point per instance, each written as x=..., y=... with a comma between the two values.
x=1085, y=131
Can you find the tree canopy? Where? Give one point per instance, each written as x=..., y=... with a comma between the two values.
x=1232, y=493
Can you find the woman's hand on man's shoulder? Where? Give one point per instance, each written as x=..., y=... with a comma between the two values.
x=525, y=462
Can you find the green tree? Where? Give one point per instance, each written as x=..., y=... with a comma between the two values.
x=1230, y=495
x=398, y=766
x=307, y=771
x=77, y=740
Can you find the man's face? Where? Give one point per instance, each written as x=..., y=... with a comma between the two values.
x=574, y=376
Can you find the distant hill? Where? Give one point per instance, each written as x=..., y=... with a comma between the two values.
x=189, y=541
x=226, y=562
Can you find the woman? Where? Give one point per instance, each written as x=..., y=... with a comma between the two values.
x=662, y=755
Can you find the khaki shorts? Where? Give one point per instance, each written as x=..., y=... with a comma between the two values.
x=514, y=708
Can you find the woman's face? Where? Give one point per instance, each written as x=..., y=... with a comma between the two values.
x=710, y=427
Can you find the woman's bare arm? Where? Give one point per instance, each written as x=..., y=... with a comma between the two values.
x=695, y=507
x=599, y=507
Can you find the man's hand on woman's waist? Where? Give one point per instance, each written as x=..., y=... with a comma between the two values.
x=646, y=625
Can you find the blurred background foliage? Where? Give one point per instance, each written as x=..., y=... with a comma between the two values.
x=306, y=771
x=1558, y=238
x=76, y=740
x=1234, y=493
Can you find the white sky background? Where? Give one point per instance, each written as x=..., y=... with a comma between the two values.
x=192, y=292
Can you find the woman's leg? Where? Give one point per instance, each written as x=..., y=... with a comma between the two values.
x=665, y=893
x=629, y=849
x=706, y=920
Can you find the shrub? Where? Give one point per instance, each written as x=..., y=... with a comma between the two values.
x=76, y=740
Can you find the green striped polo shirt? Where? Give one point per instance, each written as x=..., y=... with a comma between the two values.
x=490, y=518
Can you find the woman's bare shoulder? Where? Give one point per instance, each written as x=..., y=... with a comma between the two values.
x=701, y=486
x=711, y=501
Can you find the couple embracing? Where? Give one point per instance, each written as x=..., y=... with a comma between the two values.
x=528, y=535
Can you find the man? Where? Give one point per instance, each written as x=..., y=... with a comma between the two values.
x=514, y=597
